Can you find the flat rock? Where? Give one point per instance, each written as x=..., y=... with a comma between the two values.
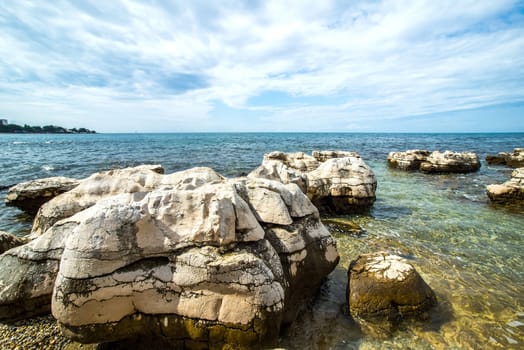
x=451, y=162
x=514, y=159
x=434, y=162
x=510, y=191
x=29, y=196
x=335, y=181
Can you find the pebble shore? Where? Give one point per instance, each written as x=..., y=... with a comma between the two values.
x=38, y=333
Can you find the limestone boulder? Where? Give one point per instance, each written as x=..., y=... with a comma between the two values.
x=29, y=196
x=342, y=185
x=514, y=159
x=386, y=287
x=511, y=191
x=451, y=162
x=8, y=241
x=109, y=183
x=335, y=181
x=408, y=160
x=222, y=264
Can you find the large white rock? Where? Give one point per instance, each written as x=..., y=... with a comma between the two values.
x=216, y=262
x=335, y=181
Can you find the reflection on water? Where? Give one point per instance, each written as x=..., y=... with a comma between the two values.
x=468, y=251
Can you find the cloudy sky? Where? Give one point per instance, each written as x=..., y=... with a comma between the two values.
x=161, y=65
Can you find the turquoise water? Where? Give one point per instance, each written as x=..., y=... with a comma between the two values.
x=468, y=251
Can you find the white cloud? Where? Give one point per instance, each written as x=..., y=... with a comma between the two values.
x=133, y=62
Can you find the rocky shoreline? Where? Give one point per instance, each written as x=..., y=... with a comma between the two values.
x=281, y=210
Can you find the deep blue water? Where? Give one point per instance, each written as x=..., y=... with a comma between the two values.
x=469, y=251
x=25, y=157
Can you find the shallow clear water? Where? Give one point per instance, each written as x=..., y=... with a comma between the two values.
x=467, y=250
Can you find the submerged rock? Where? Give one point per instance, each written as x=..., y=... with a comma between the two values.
x=343, y=225
x=435, y=162
x=514, y=159
x=335, y=181
x=510, y=191
x=384, y=289
x=209, y=264
x=29, y=196
x=8, y=241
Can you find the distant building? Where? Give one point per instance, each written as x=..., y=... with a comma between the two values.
x=3, y=121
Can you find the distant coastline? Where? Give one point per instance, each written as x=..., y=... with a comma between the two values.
x=46, y=129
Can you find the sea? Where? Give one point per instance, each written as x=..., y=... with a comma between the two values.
x=468, y=250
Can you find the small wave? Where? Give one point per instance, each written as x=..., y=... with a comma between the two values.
x=18, y=142
x=48, y=142
x=48, y=167
x=472, y=198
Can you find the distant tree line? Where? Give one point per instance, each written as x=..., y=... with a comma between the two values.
x=46, y=129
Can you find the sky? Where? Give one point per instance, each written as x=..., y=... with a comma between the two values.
x=333, y=66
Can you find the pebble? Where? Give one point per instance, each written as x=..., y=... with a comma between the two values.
x=38, y=333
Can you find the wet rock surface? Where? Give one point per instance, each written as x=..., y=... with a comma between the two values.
x=207, y=264
x=383, y=289
x=335, y=181
x=343, y=225
x=434, y=162
x=511, y=191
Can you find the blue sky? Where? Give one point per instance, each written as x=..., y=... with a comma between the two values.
x=176, y=66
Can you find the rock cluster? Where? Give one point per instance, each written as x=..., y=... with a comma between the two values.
x=8, y=241
x=335, y=181
x=434, y=162
x=29, y=196
x=510, y=191
x=514, y=160
x=190, y=257
x=384, y=287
